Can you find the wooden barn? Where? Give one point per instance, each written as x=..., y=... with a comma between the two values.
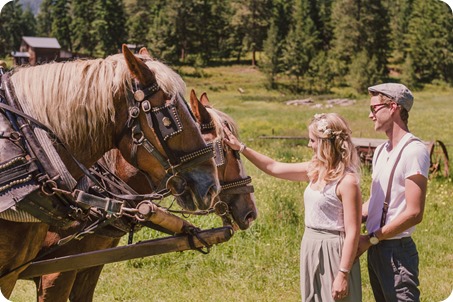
x=37, y=50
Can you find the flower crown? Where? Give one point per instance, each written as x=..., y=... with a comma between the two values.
x=322, y=126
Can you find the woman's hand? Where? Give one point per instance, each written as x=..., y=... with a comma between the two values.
x=231, y=140
x=340, y=286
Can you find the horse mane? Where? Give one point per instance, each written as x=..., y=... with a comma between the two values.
x=219, y=118
x=85, y=90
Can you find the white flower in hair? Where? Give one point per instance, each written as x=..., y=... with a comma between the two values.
x=322, y=125
x=328, y=132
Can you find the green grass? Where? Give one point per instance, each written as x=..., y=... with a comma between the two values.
x=262, y=263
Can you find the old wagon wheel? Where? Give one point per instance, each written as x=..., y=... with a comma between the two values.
x=439, y=159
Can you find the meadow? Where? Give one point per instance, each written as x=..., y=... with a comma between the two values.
x=262, y=263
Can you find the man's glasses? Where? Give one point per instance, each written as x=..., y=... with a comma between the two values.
x=375, y=108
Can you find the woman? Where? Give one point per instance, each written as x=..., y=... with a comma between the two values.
x=332, y=208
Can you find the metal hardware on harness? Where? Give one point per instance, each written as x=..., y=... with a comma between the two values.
x=86, y=201
x=15, y=183
x=166, y=121
x=13, y=162
x=139, y=95
x=48, y=187
x=228, y=188
x=221, y=208
x=12, y=136
x=146, y=106
x=134, y=112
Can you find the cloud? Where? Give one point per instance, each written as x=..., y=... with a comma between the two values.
x=2, y=3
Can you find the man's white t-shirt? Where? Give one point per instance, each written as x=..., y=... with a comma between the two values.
x=414, y=160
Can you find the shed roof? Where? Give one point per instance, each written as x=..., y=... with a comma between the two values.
x=41, y=42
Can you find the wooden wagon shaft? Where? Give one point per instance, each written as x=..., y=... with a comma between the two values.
x=151, y=212
x=147, y=248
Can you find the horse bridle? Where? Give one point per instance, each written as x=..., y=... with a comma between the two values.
x=240, y=186
x=166, y=123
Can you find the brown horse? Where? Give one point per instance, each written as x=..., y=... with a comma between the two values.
x=126, y=102
x=236, y=193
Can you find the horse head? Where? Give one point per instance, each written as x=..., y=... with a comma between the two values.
x=160, y=127
x=236, y=191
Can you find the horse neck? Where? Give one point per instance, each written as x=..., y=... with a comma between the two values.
x=69, y=111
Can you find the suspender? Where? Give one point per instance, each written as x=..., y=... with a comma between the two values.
x=389, y=186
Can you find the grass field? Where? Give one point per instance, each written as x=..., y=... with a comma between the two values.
x=262, y=263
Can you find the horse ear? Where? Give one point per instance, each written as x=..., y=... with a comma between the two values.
x=205, y=101
x=200, y=112
x=138, y=68
x=143, y=51
x=194, y=105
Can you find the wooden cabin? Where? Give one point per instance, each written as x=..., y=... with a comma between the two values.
x=37, y=50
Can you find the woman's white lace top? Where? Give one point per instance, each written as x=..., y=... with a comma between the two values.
x=323, y=209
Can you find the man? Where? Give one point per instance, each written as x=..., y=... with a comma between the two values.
x=397, y=199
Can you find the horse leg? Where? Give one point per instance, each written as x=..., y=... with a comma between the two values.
x=85, y=284
x=55, y=287
x=20, y=242
x=87, y=279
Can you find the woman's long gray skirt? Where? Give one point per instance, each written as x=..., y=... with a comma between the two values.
x=319, y=264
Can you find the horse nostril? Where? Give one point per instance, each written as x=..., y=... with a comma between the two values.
x=250, y=217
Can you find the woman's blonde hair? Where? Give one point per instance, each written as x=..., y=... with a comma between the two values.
x=336, y=155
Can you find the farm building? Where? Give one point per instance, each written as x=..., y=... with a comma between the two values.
x=37, y=50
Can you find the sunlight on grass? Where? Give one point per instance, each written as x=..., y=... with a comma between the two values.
x=262, y=263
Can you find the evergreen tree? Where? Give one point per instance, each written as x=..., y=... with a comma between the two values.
x=362, y=72
x=346, y=34
x=320, y=73
x=28, y=23
x=61, y=20
x=430, y=41
x=45, y=18
x=399, y=13
x=272, y=60
x=110, y=26
x=273, y=45
x=15, y=24
x=321, y=12
x=250, y=23
x=83, y=33
x=301, y=42
x=161, y=36
x=374, y=34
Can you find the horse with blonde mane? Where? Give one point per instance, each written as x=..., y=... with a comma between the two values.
x=77, y=111
x=236, y=196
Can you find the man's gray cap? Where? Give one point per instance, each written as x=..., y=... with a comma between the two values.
x=397, y=92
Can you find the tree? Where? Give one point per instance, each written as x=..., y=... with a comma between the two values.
x=250, y=23
x=272, y=50
x=15, y=24
x=346, y=34
x=399, y=12
x=61, y=20
x=374, y=34
x=45, y=18
x=273, y=45
x=109, y=25
x=301, y=43
x=363, y=72
x=82, y=27
x=430, y=40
